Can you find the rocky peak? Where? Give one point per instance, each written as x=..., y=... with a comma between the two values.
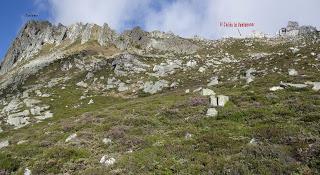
x=29, y=40
x=292, y=25
x=37, y=34
x=293, y=29
x=106, y=35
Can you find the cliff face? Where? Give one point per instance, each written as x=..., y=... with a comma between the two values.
x=37, y=34
x=29, y=41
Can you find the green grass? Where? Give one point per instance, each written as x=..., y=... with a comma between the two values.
x=284, y=123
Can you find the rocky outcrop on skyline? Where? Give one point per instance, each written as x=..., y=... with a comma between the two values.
x=293, y=29
x=38, y=35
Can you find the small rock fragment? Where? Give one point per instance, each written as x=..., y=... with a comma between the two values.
x=191, y=63
x=4, y=143
x=188, y=136
x=107, y=141
x=202, y=69
x=71, y=137
x=213, y=81
x=107, y=161
x=292, y=72
x=90, y=102
x=212, y=112
x=207, y=92
x=253, y=141
x=27, y=171
x=198, y=89
x=82, y=84
x=276, y=88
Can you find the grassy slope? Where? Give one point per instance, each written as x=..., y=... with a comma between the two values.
x=284, y=123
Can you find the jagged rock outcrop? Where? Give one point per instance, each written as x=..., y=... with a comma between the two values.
x=30, y=39
x=293, y=29
x=39, y=36
x=107, y=35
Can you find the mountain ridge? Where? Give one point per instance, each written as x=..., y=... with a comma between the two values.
x=43, y=32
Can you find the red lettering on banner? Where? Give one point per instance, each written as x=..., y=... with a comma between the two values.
x=236, y=24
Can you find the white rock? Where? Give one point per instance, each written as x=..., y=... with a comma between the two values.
x=292, y=72
x=218, y=101
x=192, y=63
x=174, y=84
x=90, y=102
x=316, y=85
x=122, y=87
x=198, y=89
x=19, y=120
x=202, y=69
x=299, y=86
x=83, y=97
x=4, y=143
x=25, y=94
x=107, y=161
x=82, y=84
x=207, y=92
x=31, y=102
x=89, y=75
x=249, y=76
x=253, y=141
x=152, y=88
x=276, y=88
x=212, y=112
x=188, y=136
x=21, y=142
x=71, y=137
x=37, y=110
x=213, y=81
x=38, y=93
x=294, y=50
x=167, y=68
x=45, y=95
x=112, y=83
x=13, y=106
x=222, y=100
x=187, y=91
x=27, y=172
x=107, y=141
x=46, y=115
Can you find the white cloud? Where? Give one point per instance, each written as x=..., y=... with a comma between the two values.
x=187, y=17
x=117, y=13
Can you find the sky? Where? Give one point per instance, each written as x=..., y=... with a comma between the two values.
x=183, y=17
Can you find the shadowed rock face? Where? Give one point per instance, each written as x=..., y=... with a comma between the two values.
x=29, y=40
x=37, y=34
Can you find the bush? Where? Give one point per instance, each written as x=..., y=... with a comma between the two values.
x=53, y=160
